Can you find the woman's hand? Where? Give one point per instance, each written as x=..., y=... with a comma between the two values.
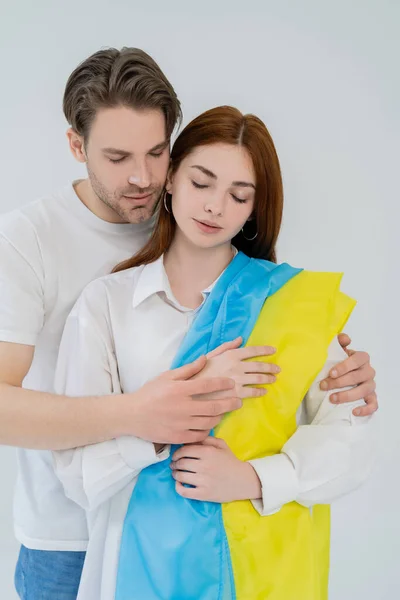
x=228, y=360
x=214, y=473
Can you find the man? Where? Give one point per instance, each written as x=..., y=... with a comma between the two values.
x=122, y=111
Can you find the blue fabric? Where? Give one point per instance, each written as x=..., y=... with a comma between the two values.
x=48, y=575
x=173, y=548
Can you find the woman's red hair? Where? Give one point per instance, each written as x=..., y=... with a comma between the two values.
x=227, y=125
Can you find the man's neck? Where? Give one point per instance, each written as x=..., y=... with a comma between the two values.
x=86, y=195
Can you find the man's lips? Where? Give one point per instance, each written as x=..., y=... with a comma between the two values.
x=138, y=196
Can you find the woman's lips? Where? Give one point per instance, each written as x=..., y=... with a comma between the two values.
x=206, y=227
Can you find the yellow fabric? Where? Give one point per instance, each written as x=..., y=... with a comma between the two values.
x=284, y=556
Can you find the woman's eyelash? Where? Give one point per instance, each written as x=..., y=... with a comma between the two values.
x=199, y=186
x=116, y=160
x=240, y=200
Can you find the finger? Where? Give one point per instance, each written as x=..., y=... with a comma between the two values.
x=215, y=442
x=187, y=492
x=215, y=408
x=256, y=379
x=260, y=367
x=190, y=436
x=253, y=351
x=188, y=371
x=361, y=375
x=248, y=392
x=190, y=451
x=185, y=477
x=344, y=340
x=370, y=407
x=198, y=387
x=353, y=362
x=226, y=346
x=204, y=423
x=185, y=464
x=360, y=392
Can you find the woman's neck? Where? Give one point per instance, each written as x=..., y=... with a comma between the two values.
x=191, y=269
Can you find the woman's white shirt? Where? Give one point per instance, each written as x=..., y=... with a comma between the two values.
x=125, y=330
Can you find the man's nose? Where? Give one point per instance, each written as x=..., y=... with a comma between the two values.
x=140, y=176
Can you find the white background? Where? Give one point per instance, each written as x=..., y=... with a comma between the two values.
x=324, y=76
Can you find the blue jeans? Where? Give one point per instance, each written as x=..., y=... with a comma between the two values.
x=48, y=575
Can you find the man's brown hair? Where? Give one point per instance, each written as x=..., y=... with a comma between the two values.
x=111, y=78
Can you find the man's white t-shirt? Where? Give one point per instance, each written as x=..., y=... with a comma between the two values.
x=49, y=251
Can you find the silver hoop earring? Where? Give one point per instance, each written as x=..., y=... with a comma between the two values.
x=165, y=203
x=249, y=239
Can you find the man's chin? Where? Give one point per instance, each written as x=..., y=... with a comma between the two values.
x=139, y=214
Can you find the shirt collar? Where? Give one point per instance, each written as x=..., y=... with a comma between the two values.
x=153, y=280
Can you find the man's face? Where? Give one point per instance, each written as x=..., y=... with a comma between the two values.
x=127, y=156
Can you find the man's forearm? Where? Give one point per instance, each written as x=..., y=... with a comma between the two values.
x=42, y=421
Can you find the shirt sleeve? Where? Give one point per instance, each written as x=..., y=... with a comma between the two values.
x=326, y=458
x=86, y=366
x=21, y=284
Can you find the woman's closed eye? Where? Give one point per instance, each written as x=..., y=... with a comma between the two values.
x=202, y=186
x=240, y=200
x=199, y=186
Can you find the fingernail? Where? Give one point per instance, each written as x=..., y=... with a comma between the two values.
x=277, y=369
x=334, y=398
x=324, y=385
x=334, y=373
x=357, y=412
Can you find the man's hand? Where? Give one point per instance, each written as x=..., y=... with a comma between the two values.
x=214, y=472
x=175, y=409
x=356, y=371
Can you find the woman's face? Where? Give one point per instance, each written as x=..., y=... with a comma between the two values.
x=213, y=194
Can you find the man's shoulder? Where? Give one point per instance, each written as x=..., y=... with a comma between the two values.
x=30, y=220
x=113, y=284
x=105, y=295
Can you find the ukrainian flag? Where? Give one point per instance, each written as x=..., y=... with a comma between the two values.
x=173, y=548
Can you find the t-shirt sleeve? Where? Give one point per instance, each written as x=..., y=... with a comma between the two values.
x=21, y=287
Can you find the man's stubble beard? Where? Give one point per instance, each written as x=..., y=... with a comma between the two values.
x=135, y=214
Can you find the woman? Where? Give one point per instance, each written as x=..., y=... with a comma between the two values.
x=229, y=518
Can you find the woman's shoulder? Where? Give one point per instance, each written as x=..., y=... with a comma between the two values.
x=104, y=291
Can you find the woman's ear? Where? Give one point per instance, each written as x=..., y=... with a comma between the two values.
x=169, y=181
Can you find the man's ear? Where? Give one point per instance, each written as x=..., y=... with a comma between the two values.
x=76, y=145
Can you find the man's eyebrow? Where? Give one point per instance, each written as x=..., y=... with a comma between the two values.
x=205, y=171
x=213, y=175
x=116, y=151
x=160, y=146
x=121, y=152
